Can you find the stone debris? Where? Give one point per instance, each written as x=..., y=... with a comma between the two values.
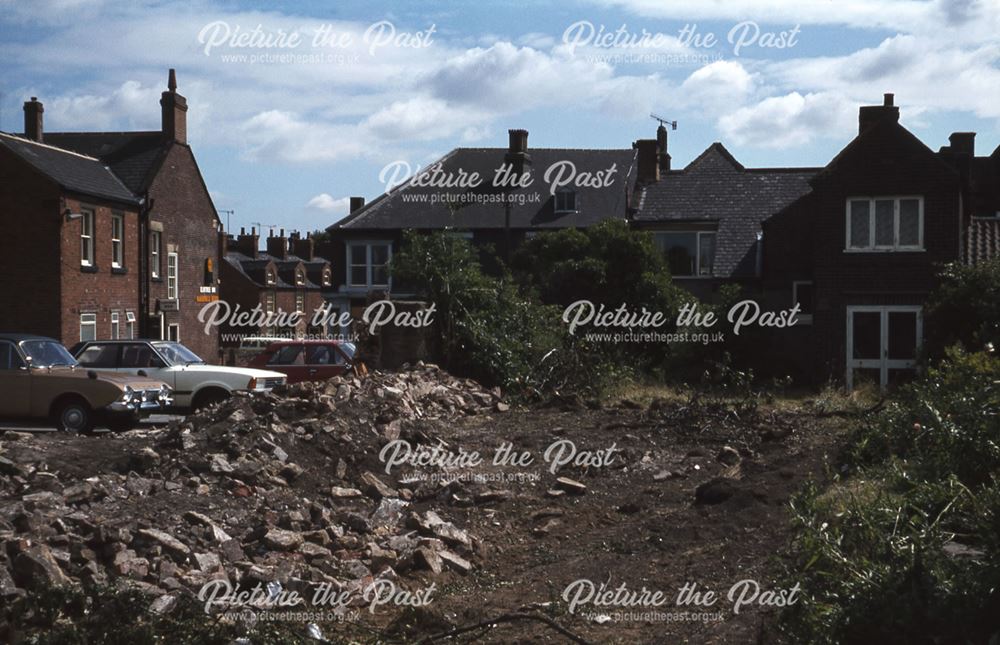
x=279, y=487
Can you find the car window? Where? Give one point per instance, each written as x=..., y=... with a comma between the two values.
x=288, y=355
x=138, y=356
x=105, y=356
x=177, y=354
x=47, y=353
x=9, y=358
x=324, y=355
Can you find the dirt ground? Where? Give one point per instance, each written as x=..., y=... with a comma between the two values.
x=637, y=523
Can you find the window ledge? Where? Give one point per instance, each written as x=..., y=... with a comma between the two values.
x=119, y=270
x=88, y=268
x=905, y=249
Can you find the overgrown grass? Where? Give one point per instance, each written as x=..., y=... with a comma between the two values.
x=906, y=547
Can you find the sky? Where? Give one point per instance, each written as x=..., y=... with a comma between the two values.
x=296, y=106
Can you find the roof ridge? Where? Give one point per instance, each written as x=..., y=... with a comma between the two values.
x=50, y=147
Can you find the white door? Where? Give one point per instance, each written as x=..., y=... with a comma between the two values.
x=882, y=342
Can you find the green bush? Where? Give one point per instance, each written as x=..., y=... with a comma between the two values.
x=907, y=548
x=965, y=308
x=488, y=328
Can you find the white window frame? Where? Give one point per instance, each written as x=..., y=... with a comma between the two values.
x=87, y=238
x=369, y=267
x=130, y=324
x=88, y=320
x=269, y=301
x=176, y=334
x=300, y=278
x=173, y=275
x=883, y=363
x=697, y=258
x=300, y=302
x=803, y=319
x=896, y=246
x=116, y=326
x=271, y=277
x=326, y=277
x=155, y=242
x=117, y=240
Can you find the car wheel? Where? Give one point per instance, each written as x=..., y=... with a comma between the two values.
x=209, y=397
x=73, y=416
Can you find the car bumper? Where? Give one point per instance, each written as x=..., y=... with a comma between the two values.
x=141, y=409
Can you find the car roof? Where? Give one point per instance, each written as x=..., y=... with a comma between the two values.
x=125, y=340
x=17, y=338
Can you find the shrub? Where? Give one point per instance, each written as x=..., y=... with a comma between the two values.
x=907, y=549
x=965, y=308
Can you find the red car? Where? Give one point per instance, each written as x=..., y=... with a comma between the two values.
x=306, y=360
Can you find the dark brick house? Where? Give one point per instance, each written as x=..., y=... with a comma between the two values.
x=288, y=277
x=178, y=246
x=862, y=249
x=496, y=214
x=69, y=243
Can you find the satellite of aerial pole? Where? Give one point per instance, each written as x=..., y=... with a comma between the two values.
x=665, y=122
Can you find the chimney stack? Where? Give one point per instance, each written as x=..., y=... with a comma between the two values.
x=357, y=203
x=648, y=164
x=33, y=120
x=246, y=244
x=304, y=248
x=277, y=246
x=963, y=144
x=869, y=115
x=662, y=156
x=517, y=150
x=173, y=108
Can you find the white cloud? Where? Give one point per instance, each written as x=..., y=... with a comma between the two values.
x=790, y=120
x=717, y=87
x=325, y=202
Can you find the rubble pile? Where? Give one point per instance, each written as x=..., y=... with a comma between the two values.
x=281, y=488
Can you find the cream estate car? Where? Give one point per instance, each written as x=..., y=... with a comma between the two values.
x=40, y=381
x=195, y=384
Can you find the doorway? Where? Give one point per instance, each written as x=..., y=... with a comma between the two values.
x=882, y=343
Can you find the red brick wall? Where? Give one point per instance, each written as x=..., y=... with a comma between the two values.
x=104, y=290
x=185, y=209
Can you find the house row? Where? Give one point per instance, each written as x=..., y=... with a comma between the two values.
x=856, y=243
x=107, y=234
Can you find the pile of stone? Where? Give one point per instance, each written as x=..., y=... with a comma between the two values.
x=282, y=488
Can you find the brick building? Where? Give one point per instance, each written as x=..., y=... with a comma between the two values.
x=287, y=277
x=172, y=241
x=69, y=243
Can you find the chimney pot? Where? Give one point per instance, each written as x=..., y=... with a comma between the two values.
x=518, y=141
x=888, y=99
x=33, y=126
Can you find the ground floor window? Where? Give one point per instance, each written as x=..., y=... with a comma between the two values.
x=802, y=295
x=130, y=325
x=115, y=325
x=88, y=327
x=882, y=343
x=174, y=332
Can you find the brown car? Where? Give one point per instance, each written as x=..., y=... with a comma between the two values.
x=40, y=380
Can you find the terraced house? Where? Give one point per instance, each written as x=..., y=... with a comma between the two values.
x=119, y=227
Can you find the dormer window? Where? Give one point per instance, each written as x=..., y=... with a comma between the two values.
x=300, y=278
x=566, y=201
x=270, y=276
x=326, y=277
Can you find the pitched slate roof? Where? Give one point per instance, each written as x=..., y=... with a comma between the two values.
x=75, y=172
x=255, y=269
x=982, y=240
x=133, y=156
x=715, y=187
x=400, y=208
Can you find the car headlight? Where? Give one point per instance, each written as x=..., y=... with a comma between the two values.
x=128, y=394
x=252, y=385
x=164, y=393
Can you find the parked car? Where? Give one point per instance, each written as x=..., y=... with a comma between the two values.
x=307, y=360
x=195, y=383
x=40, y=380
